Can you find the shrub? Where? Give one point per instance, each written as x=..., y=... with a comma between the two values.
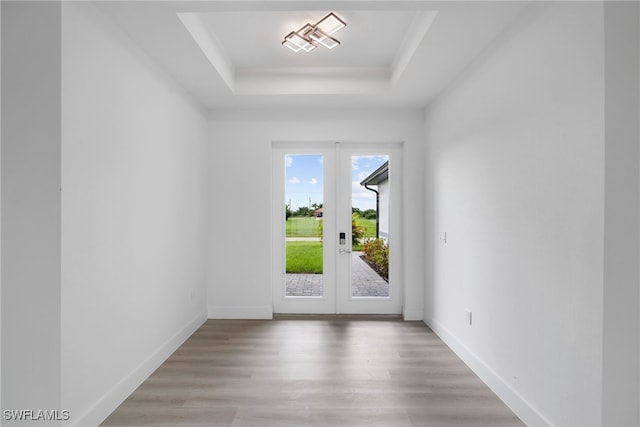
x=376, y=251
x=357, y=231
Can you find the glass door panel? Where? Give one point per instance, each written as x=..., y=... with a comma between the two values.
x=304, y=225
x=303, y=234
x=370, y=226
x=368, y=281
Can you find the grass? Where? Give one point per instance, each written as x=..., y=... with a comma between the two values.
x=309, y=227
x=357, y=247
x=304, y=257
x=369, y=226
x=303, y=227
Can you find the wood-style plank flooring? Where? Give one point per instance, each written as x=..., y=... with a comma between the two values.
x=313, y=371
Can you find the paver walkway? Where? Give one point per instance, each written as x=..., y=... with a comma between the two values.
x=365, y=282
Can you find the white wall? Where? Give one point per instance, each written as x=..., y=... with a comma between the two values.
x=0, y=205
x=383, y=209
x=515, y=176
x=621, y=214
x=133, y=215
x=239, y=265
x=30, y=206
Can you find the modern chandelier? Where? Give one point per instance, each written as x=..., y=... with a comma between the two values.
x=310, y=35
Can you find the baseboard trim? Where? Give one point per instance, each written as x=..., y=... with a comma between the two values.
x=100, y=410
x=516, y=402
x=241, y=312
x=411, y=315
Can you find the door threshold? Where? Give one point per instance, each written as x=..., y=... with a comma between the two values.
x=302, y=316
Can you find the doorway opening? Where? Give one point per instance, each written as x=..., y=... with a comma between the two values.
x=334, y=235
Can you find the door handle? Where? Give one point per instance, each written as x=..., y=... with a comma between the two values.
x=344, y=251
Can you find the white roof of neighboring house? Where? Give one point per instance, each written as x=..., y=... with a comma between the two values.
x=379, y=175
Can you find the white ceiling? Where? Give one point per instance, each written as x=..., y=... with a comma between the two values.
x=393, y=54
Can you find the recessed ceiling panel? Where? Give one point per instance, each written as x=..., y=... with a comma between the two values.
x=393, y=53
x=246, y=49
x=253, y=39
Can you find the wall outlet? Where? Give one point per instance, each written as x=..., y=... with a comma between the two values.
x=469, y=317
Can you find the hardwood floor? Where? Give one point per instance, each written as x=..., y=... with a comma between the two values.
x=313, y=371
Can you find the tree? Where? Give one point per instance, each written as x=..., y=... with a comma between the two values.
x=303, y=211
x=370, y=214
x=287, y=212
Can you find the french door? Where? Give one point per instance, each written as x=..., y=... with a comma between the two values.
x=336, y=228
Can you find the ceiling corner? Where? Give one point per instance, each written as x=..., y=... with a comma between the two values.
x=214, y=52
x=415, y=34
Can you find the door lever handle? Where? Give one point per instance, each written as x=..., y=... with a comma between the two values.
x=344, y=251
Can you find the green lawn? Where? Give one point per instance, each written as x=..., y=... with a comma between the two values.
x=310, y=227
x=304, y=257
x=302, y=227
x=369, y=226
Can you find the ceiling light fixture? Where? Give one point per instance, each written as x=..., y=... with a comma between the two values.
x=309, y=36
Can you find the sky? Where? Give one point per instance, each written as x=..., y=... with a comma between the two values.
x=304, y=180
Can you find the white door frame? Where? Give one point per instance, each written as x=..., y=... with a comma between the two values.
x=346, y=303
x=337, y=268
x=281, y=303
